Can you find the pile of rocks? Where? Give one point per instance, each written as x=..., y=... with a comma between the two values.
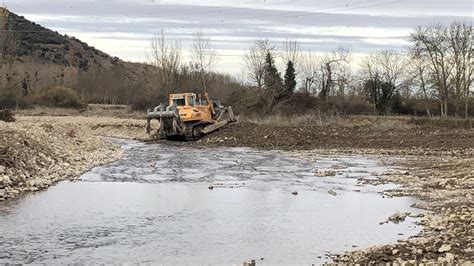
x=445, y=185
x=36, y=153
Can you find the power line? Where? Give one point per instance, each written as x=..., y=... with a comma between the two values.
x=278, y=15
x=192, y=11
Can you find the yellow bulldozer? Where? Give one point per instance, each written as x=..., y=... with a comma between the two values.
x=188, y=117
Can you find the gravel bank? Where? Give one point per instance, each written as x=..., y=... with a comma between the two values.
x=37, y=152
x=445, y=186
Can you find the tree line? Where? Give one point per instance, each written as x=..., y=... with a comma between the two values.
x=433, y=76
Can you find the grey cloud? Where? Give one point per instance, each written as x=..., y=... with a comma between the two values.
x=240, y=25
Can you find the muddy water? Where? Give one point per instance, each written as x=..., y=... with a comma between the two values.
x=154, y=206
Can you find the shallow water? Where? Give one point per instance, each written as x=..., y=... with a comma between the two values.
x=154, y=206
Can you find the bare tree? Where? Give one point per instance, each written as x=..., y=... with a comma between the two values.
x=308, y=68
x=9, y=42
x=460, y=43
x=330, y=69
x=431, y=44
x=205, y=57
x=167, y=57
x=292, y=52
x=392, y=66
x=254, y=60
x=386, y=72
x=421, y=78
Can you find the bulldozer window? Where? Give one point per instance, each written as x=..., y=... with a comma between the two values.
x=191, y=101
x=179, y=102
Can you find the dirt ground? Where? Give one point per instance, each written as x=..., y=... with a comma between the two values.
x=372, y=134
x=39, y=150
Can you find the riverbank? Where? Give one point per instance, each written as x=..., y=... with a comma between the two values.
x=437, y=159
x=39, y=151
x=445, y=186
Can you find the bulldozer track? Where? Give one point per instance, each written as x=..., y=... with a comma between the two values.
x=188, y=132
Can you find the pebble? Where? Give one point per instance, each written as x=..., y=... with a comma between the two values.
x=294, y=193
x=444, y=248
x=449, y=258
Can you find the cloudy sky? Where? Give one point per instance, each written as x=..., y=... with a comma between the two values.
x=124, y=28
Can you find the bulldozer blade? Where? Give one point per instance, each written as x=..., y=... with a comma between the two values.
x=231, y=114
x=214, y=127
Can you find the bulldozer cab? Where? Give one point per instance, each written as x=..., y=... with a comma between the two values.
x=182, y=99
x=189, y=108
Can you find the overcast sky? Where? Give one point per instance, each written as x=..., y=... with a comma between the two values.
x=124, y=28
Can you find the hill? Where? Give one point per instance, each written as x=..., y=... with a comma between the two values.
x=47, y=46
x=33, y=58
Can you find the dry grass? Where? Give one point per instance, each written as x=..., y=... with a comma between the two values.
x=92, y=110
x=323, y=120
x=449, y=122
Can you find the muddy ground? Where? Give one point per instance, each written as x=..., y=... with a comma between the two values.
x=396, y=135
x=437, y=162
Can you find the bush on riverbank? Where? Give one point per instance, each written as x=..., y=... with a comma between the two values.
x=6, y=116
x=56, y=97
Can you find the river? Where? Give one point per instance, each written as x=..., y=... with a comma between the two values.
x=154, y=206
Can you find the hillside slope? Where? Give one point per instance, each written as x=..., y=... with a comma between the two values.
x=34, y=57
x=47, y=46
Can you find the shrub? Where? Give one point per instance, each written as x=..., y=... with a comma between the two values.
x=6, y=115
x=10, y=99
x=56, y=97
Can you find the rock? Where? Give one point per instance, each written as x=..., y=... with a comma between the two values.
x=415, y=215
x=441, y=260
x=444, y=248
x=211, y=187
x=2, y=169
x=294, y=193
x=395, y=251
x=449, y=257
x=6, y=179
x=323, y=173
x=398, y=217
x=332, y=192
x=2, y=193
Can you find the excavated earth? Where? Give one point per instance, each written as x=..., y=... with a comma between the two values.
x=396, y=137
x=437, y=163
